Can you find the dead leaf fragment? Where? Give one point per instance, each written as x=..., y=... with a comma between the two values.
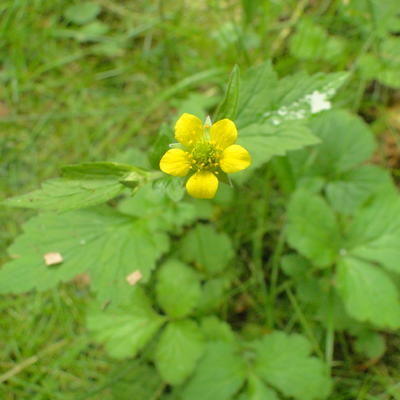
x=53, y=258
x=134, y=277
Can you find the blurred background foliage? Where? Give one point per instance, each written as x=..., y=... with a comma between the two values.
x=90, y=81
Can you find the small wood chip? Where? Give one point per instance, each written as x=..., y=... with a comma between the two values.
x=53, y=259
x=134, y=277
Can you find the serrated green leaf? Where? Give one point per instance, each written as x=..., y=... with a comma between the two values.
x=139, y=381
x=178, y=350
x=209, y=250
x=65, y=194
x=106, y=244
x=216, y=330
x=228, y=107
x=345, y=142
x=126, y=329
x=263, y=141
x=349, y=190
x=312, y=228
x=177, y=289
x=255, y=94
x=82, y=13
x=283, y=361
x=83, y=185
x=298, y=96
x=219, y=375
x=375, y=232
x=368, y=293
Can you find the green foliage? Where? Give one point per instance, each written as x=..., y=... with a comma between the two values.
x=368, y=293
x=177, y=289
x=219, y=375
x=228, y=106
x=103, y=242
x=178, y=349
x=83, y=185
x=286, y=358
x=125, y=329
x=312, y=228
x=209, y=250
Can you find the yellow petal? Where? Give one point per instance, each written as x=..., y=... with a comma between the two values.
x=202, y=185
x=234, y=158
x=175, y=162
x=188, y=129
x=223, y=133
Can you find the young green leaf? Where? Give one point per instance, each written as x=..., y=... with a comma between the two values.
x=126, y=329
x=177, y=289
x=368, y=293
x=349, y=190
x=228, y=107
x=375, y=232
x=216, y=330
x=106, y=244
x=312, y=228
x=284, y=362
x=178, y=350
x=371, y=344
x=208, y=249
x=219, y=375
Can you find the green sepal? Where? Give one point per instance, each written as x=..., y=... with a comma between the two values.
x=228, y=106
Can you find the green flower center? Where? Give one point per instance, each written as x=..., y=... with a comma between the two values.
x=205, y=157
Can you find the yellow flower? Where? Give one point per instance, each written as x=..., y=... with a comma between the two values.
x=207, y=152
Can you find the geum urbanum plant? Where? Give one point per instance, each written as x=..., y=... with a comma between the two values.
x=177, y=320
x=208, y=152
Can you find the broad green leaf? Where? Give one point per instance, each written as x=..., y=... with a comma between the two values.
x=228, y=107
x=207, y=249
x=263, y=141
x=82, y=13
x=284, y=362
x=102, y=242
x=134, y=380
x=349, y=190
x=370, y=344
x=257, y=390
x=66, y=194
x=177, y=289
x=256, y=94
x=126, y=329
x=178, y=350
x=368, y=293
x=346, y=142
x=298, y=96
x=375, y=232
x=171, y=186
x=219, y=375
x=312, y=228
x=216, y=330
x=82, y=185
